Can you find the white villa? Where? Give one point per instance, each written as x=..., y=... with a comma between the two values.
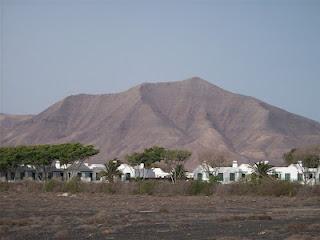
x=140, y=171
x=225, y=174
x=297, y=173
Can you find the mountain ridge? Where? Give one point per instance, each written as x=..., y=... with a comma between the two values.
x=192, y=114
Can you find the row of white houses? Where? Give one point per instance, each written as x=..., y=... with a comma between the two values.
x=293, y=173
x=90, y=173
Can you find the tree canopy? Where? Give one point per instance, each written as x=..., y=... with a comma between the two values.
x=309, y=156
x=43, y=155
x=167, y=159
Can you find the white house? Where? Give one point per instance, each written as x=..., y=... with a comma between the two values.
x=297, y=173
x=139, y=171
x=159, y=173
x=224, y=174
x=127, y=172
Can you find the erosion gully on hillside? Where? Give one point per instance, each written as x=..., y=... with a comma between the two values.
x=100, y=216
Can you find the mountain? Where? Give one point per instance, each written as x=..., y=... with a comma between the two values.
x=192, y=114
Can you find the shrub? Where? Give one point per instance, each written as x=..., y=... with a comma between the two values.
x=201, y=188
x=4, y=186
x=52, y=186
x=73, y=186
x=146, y=187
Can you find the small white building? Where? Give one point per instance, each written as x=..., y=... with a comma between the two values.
x=127, y=172
x=139, y=171
x=159, y=173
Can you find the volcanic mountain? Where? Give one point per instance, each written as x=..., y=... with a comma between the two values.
x=191, y=114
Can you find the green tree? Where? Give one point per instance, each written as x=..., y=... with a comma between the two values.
x=148, y=157
x=43, y=156
x=179, y=172
x=174, y=159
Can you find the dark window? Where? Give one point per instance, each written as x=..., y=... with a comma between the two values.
x=79, y=175
x=12, y=175
x=243, y=175
x=287, y=177
x=199, y=176
x=33, y=175
x=310, y=175
x=220, y=177
x=128, y=176
x=232, y=176
x=22, y=174
x=300, y=178
x=88, y=175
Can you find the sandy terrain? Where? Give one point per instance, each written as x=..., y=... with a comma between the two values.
x=101, y=216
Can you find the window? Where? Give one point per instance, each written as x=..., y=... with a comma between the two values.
x=243, y=175
x=128, y=176
x=98, y=177
x=220, y=177
x=199, y=176
x=232, y=176
x=310, y=175
x=12, y=175
x=300, y=178
x=87, y=174
x=22, y=174
x=287, y=177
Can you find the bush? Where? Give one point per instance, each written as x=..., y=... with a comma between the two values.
x=265, y=187
x=201, y=188
x=147, y=187
x=52, y=186
x=4, y=186
x=73, y=186
x=279, y=188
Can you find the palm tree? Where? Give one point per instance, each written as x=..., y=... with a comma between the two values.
x=111, y=170
x=261, y=169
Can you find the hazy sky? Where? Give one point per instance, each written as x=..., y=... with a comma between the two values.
x=53, y=48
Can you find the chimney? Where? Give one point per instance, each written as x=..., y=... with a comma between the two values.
x=234, y=164
x=57, y=165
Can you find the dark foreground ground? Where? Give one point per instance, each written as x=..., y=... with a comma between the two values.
x=101, y=216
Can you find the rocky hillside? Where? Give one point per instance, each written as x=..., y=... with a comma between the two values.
x=191, y=114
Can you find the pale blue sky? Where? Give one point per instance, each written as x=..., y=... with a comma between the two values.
x=53, y=48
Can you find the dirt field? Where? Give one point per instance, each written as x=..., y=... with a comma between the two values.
x=101, y=216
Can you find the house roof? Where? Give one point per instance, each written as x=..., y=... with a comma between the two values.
x=81, y=168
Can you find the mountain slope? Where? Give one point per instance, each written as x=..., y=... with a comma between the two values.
x=191, y=114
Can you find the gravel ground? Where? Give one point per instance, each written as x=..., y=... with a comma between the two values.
x=101, y=216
